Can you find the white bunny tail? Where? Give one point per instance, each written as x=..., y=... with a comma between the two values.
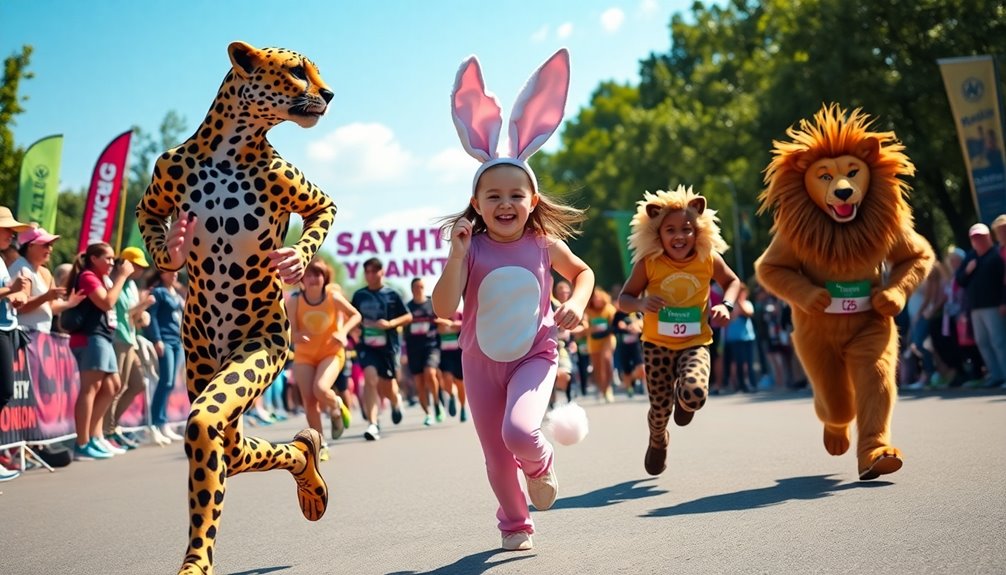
x=566, y=424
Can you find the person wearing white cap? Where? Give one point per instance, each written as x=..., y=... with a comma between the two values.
x=981, y=274
x=46, y=298
x=13, y=294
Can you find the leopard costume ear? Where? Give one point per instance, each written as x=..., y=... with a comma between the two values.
x=244, y=58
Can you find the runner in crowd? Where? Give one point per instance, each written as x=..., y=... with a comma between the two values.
x=423, y=352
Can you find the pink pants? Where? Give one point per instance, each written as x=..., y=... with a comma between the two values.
x=508, y=402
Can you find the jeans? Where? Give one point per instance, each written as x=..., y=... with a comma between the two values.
x=990, y=335
x=168, y=366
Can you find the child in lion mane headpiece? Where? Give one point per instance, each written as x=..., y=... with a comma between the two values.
x=846, y=257
x=676, y=247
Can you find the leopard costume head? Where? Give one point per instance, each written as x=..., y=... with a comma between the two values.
x=836, y=190
x=274, y=84
x=644, y=241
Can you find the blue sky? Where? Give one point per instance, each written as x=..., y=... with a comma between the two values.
x=387, y=151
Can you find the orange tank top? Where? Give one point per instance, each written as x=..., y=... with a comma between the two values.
x=684, y=286
x=321, y=321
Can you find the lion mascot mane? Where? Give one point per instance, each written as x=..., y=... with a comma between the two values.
x=846, y=257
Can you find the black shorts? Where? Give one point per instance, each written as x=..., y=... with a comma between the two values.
x=628, y=357
x=383, y=359
x=421, y=357
x=450, y=362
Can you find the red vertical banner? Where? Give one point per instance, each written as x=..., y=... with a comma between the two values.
x=103, y=197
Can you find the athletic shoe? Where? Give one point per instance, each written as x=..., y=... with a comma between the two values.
x=338, y=425
x=347, y=416
x=428, y=420
x=122, y=441
x=396, y=415
x=323, y=454
x=158, y=437
x=517, y=541
x=464, y=414
x=543, y=490
x=8, y=474
x=88, y=452
x=373, y=432
x=170, y=433
x=452, y=406
x=102, y=443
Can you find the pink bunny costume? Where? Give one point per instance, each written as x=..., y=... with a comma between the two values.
x=508, y=337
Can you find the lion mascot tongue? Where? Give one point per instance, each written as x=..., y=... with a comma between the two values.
x=846, y=257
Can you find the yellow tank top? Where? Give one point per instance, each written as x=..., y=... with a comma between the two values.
x=319, y=322
x=684, y=286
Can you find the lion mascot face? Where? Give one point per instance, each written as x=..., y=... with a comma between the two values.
x=645, y=242
x=836, y=189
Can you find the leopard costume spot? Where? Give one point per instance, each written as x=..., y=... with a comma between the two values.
x=677, y=381
x=235, y=331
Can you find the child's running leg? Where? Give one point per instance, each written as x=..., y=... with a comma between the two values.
x=692, y=383
x=660, y=376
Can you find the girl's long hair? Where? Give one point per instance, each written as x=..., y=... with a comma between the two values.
x=550, y=218
x=83, y=262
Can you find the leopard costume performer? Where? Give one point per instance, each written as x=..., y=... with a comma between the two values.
x=673, y=264
x=239, y=194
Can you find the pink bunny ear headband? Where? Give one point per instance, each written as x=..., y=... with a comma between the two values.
x=536, y=114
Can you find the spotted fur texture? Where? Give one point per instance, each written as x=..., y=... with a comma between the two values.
x=644, y=241
x=676, y=381
x=235, y=331
x=850, y=358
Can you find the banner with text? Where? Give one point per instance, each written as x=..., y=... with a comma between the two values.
x=38, y=191
x=406, y=253
x=100, y=211
x=46, y=383
x=972, y=88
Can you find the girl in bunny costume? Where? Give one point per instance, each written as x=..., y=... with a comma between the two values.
x=504, y=246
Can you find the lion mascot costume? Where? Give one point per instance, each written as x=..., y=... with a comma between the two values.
x=845, y=256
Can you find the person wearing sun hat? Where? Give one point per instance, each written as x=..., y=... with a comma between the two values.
x=981, y=275
x=45, y=298
x=13, y=294
x=128, y=308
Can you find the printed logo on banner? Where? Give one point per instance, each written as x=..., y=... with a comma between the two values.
x=55, y=384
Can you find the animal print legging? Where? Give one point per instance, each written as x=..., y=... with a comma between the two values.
x=674, y=376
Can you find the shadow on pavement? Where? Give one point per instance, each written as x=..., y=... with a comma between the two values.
x=262, y=570
x=471, y=565
x=791, y=489
x=610, y=495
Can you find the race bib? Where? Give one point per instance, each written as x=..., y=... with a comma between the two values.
x=599, y=325
x=375, y=337
x=848, y=297
x=679, y=321
x=419, y=327
x=449, y=341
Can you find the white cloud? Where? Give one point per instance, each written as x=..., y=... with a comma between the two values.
x=361, y=153
x=540, y=35
x=452, y=166
x=612, y=19
x=649, y=7
x=412, y=218
x=565, y=30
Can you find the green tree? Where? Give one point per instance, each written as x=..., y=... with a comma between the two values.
x=15, y=70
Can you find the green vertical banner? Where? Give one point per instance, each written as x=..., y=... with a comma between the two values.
x=39, y=188
x=623, y=226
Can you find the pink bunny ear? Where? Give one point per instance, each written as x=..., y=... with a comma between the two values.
x=477, y=114
x=540, y=106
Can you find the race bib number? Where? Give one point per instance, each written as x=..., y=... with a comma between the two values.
x=449, y=341
x=679, y=321
x=848, y=297
x=599, y=325
x=375, y=337
x=419, y=327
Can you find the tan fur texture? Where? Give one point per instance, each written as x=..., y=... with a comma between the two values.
x=644, y=241
x=850, y=359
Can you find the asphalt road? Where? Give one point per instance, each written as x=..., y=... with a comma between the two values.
x=749, y=489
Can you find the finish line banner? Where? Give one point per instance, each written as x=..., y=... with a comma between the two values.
x=972, y=88
x=405, y=253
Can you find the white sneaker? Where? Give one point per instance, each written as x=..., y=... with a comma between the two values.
x=543, y=490
x=517, y=541
x=158, y=437
x=373, y=432
x=8, y=474
x=109, y=447
x=170, y=433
